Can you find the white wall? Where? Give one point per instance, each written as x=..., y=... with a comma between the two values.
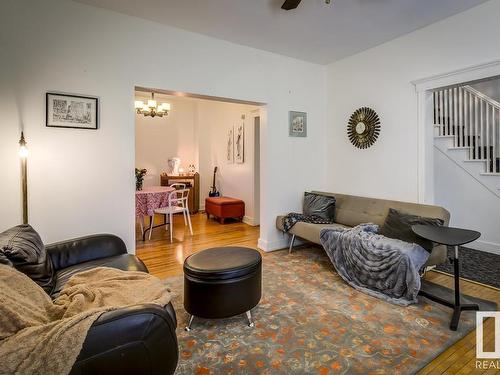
x=471, y=205
x=82, y=182
x=10, y=132
x=490, y=88
x=214, y=120
x=161, y=138
x=381, y=79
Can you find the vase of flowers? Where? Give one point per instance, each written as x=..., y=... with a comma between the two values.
x=139, y=178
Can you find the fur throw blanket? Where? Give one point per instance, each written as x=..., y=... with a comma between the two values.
x=293, y=218
x=382, y=267
x=41, y=336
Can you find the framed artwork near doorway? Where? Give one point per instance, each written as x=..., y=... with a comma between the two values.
x=297, y=126
x=71, y=111
x=239, y=143
x=230, y=146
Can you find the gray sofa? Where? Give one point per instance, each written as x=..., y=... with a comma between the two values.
x=353, y=210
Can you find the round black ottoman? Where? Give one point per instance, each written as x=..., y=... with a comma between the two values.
x=222, y=282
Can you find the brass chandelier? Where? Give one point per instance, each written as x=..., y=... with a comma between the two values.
x=152, y=108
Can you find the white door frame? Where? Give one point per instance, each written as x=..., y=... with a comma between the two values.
x=425, y=132
x=256, y=173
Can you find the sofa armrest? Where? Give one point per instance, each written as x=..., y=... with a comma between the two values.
x=439, y=255
x=132, y=340
x=78, y=250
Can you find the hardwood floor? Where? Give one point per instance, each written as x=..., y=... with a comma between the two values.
x=460, y=358
x=165, y=259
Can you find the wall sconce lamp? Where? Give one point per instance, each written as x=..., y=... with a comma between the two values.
x=23, y=154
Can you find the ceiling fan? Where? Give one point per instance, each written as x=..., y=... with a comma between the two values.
x=292, y=4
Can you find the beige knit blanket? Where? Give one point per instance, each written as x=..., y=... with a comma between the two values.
x=41, y=336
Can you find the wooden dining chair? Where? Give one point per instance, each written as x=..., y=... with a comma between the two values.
x=177, y=203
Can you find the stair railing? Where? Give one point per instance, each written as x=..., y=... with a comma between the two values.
x=473, y=120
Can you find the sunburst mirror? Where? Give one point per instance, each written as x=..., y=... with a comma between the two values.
x=363, y=127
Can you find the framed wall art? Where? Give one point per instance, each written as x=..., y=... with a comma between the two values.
x=297, y=124
x=239, y=143
x=363, y=127
x=230, y=146
x=71, y=111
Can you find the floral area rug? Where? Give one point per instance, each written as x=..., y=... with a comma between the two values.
x=309, y=321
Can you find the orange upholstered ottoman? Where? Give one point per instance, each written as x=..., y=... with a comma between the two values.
x=224, y=208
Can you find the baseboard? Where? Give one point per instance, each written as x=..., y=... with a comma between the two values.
x=249, y=220
x=202, y=207
x=268, y=246
x=489, y=247
x=280, y=244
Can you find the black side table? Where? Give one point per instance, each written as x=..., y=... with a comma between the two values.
x=450, y=237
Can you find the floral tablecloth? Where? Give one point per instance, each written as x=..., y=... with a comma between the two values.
x=150, y=198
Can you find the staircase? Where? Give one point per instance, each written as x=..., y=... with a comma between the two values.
x=467, y=131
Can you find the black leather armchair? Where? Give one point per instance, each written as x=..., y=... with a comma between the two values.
x=134, y=340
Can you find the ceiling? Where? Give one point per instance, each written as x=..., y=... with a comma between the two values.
x=313, y=32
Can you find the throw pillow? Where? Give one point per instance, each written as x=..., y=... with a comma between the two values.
x=24, y=249
x=398, y=225
x=322, y=206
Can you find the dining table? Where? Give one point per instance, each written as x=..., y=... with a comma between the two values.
x=147, y=201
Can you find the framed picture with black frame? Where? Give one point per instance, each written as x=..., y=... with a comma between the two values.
x=71, y=111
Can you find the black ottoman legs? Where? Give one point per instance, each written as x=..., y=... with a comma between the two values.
x=248, y=313
x=188, y=327
x=249, y=317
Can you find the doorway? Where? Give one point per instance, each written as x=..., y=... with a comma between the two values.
x=201, y=133
x=457, y=157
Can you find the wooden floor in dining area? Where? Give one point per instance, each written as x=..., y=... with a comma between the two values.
x=165, y=259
